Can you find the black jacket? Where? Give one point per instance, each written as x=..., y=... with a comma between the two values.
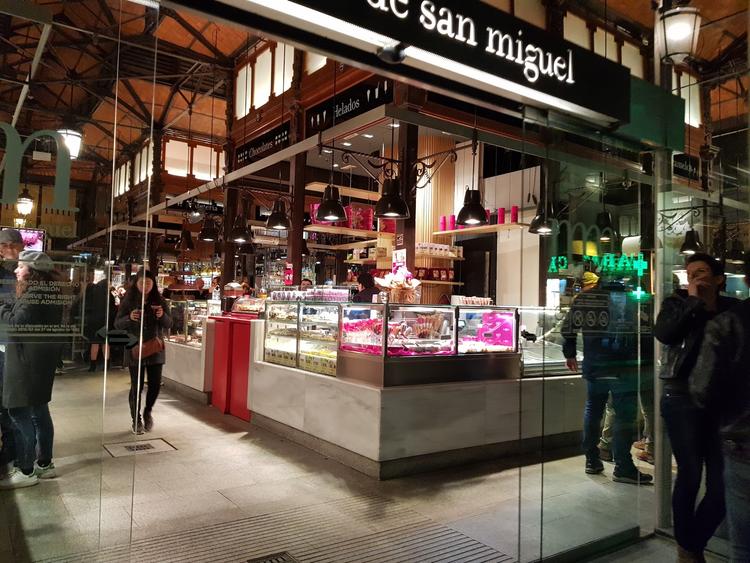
x=681, y=325
x=152, y=327
x=365, y=296
x=32, y=350
x=720, y=381
x=611, y=325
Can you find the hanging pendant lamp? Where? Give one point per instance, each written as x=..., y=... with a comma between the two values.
x=692, y=243
x=186, y=239
x=472, y=214
x=209, y=231
x=331, y=209
x=240, y=233
x=605, y=225
x=736, y=254
x=391, y=205
x=541, y=224
x=278, y=220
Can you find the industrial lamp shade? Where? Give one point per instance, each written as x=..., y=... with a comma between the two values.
x=305, y=251
x=25, y=203
x=391, y=205
x=240, y=233
x=692, y=243
x=278, y=220
x=472, y=214
x=331, y=209
x=680, y=28
x=605, y=225
x=541, y=224
x=186, y=240
x=736, y=254
x=209, y=231
x=73, y=140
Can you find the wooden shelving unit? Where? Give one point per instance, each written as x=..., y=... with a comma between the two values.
x=434, y=257
x=362, y=262
x=356, y=233
x=484, y=229
x=435, y=282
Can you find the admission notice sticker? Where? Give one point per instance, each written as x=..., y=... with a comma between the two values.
x=49, y=308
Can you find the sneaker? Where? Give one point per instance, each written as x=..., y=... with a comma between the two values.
x=6, y=469
x=45, y=471
x=631, y=476
x=594, y=466
x=17, y=479
x=137, y=428
x=148, y=421
x=645, y=456
x=605, y=454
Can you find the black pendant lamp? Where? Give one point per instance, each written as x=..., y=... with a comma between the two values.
x=305, y=251
x=736, y=254
x=472, y=214
x=541, y=224
x=692, y=243
x=209, y=231
x=391, y=205
x=240, y=233
x=186, y=239
x=605, y=226
x=331, y=209
x=277, y=220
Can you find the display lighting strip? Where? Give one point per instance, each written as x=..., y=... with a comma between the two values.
x=367, y=40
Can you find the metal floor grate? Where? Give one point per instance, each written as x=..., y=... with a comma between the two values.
x=356, y=529
x=275, y=558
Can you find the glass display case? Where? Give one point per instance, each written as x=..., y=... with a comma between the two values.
x=420, y=331
x=318, y=337
x=282, y=331
x=362, y=329
x=188, y=322
x=247, y=305
x=487, y=329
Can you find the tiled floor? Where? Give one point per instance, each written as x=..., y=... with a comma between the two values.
x=225, y=470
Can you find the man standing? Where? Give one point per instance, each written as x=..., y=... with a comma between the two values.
x=720, y=383
x=11, y=245
x=610, y=365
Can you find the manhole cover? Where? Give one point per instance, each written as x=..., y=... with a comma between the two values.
x=275, y=558
x=139, y=447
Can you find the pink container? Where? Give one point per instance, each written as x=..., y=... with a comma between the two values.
x=461, y=227
x=514, y=214
x=500, y=215
x=452, y=223
x=442, y=223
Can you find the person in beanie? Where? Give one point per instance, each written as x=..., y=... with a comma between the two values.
x=31, y=358
x=720, y=383
x=11, y=245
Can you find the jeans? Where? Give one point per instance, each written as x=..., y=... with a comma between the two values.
x=154, y=385
x=695, y=442
x=625, y=403
x=737, y=478
x=34, y=436
x=8, y=449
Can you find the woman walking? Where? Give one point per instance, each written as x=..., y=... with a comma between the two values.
x=31, y=357
x=143, y=313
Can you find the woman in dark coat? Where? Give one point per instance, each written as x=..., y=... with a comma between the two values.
x=143, y=304
x=99, y=311
x=30, y=364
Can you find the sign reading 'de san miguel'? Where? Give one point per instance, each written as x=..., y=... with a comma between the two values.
x=512, y=56
x=264, y=145
x=686, y=166
x=347, y=104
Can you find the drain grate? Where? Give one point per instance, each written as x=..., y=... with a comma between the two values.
x=283, y=557
x=139, y=447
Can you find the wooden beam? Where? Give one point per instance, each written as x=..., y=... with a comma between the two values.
x=354, y=193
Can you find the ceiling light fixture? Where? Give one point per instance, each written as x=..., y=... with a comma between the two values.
x=186, y=239
x=368, y=135
x=472, y=214
x=209, y=230
x=692, y=243
x=679, y=28
x=605, y=226
x=331, y=209
x=391, y=204
x=278, y=220
x=240, y=233
x=736, y=254
x=25, y=203
x=73, y=140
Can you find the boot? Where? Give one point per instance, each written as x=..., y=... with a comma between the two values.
x=92, y=366
x=685, y=556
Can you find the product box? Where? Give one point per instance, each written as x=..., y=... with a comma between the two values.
x=443, y=274
x=361, y=217
x=451, y=275
x=435, y=274
x=422, y=273
x=387, y=225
